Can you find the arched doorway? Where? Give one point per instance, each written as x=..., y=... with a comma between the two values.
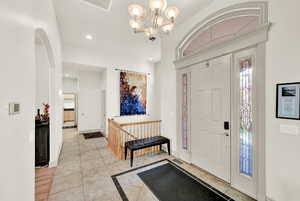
x=45, y=85
x=220, y=81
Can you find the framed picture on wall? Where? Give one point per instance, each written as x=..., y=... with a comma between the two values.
x=133, y=93
x=288, y=101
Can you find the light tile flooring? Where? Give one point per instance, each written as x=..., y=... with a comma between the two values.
x=85, y=169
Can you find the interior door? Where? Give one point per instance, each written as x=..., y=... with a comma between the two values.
x=210, y=109
x=89, y=109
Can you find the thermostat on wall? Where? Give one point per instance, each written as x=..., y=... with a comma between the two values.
x=14, y=108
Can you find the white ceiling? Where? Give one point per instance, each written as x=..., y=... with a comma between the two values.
x=110, y=29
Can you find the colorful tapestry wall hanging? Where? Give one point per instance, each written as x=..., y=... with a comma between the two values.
x=133, y=93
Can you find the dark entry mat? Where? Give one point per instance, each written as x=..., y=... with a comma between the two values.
x=169, y=183
x=92, y=135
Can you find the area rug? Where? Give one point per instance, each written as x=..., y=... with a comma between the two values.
x=164, y=181
x=92, y=135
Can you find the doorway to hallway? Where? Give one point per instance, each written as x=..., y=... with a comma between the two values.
x=70, y=110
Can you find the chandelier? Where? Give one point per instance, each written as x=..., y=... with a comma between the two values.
x=156, y=20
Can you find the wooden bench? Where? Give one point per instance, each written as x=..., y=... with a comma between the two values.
x=135, y=145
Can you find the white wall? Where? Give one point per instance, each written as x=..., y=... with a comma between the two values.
x=18, y=21
x=282, y=65
x=70, y=85
x=42, y=76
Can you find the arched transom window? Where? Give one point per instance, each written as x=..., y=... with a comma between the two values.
x=225, y=25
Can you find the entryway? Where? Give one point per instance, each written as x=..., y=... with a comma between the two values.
x=220, y=87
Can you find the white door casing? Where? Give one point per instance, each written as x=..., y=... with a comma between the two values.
x=210, y=108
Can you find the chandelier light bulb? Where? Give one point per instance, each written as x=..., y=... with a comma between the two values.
x=134, y=24
x=172, y=12
x=136, y=10
x=158, y=4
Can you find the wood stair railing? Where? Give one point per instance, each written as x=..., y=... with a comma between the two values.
x=119, y=133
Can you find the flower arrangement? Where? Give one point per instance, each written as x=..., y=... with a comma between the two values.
x=46, y=115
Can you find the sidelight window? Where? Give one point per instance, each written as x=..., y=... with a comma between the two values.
x=246, y=117
x=184, y=111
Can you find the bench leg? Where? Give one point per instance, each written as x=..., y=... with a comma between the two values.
x=125, y=153
x=131, y=158
x=169, y=150
x=160, y=147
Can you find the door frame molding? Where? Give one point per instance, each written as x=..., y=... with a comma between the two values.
x=255, y=39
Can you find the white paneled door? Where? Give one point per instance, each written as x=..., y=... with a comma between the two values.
x=210, y=116
x=90, y=110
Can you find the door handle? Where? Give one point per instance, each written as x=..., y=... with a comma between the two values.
x=225, y=133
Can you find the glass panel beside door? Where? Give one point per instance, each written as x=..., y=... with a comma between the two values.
x=246, y=117
x=244, y=138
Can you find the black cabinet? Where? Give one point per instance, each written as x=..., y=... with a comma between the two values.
x=42, y=144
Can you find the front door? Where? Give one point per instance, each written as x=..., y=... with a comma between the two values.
x=210, y=116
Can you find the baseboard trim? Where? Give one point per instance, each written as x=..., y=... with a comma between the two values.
x=67, y=127
x=89, y=131
x=55, y=162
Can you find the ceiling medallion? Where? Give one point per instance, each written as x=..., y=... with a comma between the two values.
x=156, y=20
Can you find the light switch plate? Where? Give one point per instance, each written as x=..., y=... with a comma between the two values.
x=289, y=129
x=14, y=108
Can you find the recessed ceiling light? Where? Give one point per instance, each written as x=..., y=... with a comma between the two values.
x=89, y=37
x=67, y=75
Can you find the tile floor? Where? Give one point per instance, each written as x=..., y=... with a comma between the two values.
x=85, y=169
